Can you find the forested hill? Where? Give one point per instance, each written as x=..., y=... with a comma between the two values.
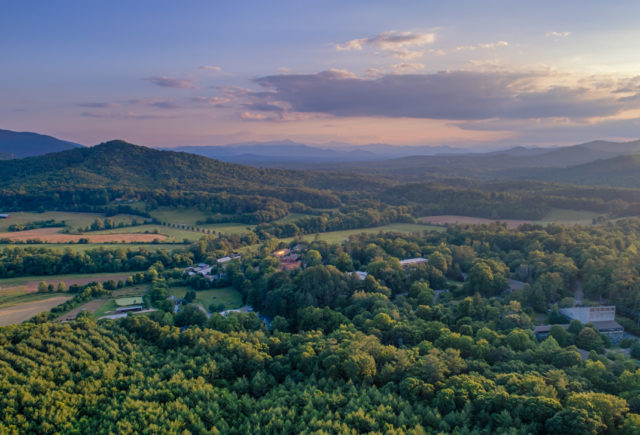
x=622, y=171
x=15, y=144
x=118, y=164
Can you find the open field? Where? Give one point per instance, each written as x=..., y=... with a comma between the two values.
x=52, y=235
x=25, y=311
x=340, y=236
x=123, y=302
x=158, y=231
x=72, y=219
x=184, y=216
x=91, y=306
x=29, y=284
x=82, y=247
x=451, y=219
x=558, y=216
x=564, y=216
x=228, y=296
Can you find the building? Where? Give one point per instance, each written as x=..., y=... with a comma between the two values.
x=590, y=314
x=602, y=319
x=129, y=309
x=413, y=262
x=201, y=269
x=4, y=216
x=228, y=258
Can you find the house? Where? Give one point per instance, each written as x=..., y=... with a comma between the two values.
x=4, y=216
x=413, y=262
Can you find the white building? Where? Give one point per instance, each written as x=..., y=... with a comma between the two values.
x=602, y=318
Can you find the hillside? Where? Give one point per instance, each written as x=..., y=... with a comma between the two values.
x=621, y=171
x=15, y=144
x=118, y=164
x=488, y=165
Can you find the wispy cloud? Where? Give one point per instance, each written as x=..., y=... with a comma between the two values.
x=213, y=101
x=557, y=34
x=99, y=105
x=172, y=82
x=158, y=103
x=213, y=68
x=407, y=67
x=488, y=45
x=402, y=45
x=128, y=115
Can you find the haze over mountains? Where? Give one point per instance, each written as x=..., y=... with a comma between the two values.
x=15, y=144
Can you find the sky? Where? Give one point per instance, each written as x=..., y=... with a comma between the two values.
x=475, y=74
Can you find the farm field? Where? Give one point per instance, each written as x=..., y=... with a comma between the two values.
x=226, y=295
x=168, y=234
x=91, y=306
x=72, y=219
x=339, y=236
x=52, y=235
x=81, y=247
x=564, y=216
x=26, y=310
x=29, y=284
x=558, y=216
x=452, y=219
x=183, y=216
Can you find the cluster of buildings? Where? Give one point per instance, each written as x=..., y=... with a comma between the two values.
x=290, y=259
x=205, y=269
x=602, y=319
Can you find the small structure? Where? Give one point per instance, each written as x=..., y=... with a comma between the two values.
x=129, y=309
x=4, y=216
x=201, y=269
x=360, y=274
x=413, y=262
x=224, y=260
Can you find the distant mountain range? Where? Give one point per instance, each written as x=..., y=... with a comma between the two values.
x=287, y=152
x=592, y=163
x=17, y=145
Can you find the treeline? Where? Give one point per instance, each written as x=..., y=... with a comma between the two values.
x=49, y=223
x=19, y=261
x=346, y=219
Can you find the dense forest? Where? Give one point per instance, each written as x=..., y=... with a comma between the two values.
x=339, y=353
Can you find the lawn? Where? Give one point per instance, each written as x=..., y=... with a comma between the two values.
x=564, y=216
x=123, y=302
x=340, y=236
x=228, y=296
